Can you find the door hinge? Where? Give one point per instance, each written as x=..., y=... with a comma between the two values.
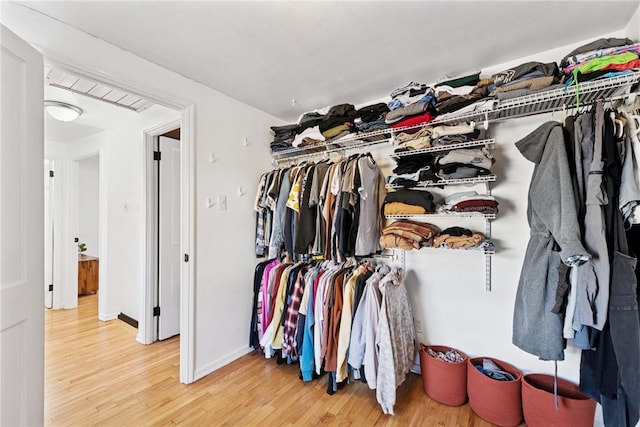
x=186, y=257
x=51, y=287
x=51, y=174
x=156, y=311
x=156, y=156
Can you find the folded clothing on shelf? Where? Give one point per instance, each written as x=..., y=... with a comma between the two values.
x=478, y=157
x=411, y=93
x=465, y=79
x=414, y=198
x=481, y=105
x=461, y=171
x=526, y=71
x=445, y=140
x=458, y=238
x=470, y=201
x=414, y=120
x=339, y=118
x=595, y=49
x=457, y=102
x=399, y=208
x=283, y=136
x=372, y=113
x=414, y=140
x=601, y=58
x=408, y=235
x=309, y=136
x=405, y=112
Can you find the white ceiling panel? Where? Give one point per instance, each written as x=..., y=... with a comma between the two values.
x=323, y=53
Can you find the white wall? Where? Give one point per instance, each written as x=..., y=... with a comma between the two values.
x=88, y=192
x=632, y=30
x=224, y=258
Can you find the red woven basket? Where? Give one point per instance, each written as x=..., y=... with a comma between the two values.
x=575, y=408
x=498, y=402
x=442, y=381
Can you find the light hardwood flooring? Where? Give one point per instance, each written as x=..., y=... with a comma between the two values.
x=97, y=374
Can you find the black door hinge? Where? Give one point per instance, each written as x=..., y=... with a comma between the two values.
x=186, y=257
x=156, y=311
x=51, y=287
x=51, y=174
x=156, y=156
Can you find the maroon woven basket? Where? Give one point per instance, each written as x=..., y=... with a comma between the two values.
x=498, y=402
x=575, y=408
x=442, y=381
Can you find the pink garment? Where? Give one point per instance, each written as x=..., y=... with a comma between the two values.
x=265, y=296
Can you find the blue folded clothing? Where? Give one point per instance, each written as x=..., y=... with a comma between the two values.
x=491, y=370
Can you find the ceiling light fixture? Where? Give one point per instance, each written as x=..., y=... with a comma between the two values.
x=62, y=111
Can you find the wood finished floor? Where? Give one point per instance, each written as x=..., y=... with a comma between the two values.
x=96, y=374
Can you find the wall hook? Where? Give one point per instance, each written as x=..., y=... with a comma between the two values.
x=241, y=192
x=212, y=158
x=209, y=203
x=245, y=141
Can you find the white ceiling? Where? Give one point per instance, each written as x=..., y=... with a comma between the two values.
x=323, y=53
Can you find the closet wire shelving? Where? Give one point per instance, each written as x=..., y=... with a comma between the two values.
x=448, y=147
x=457, y=181
x=537, y=103
x=562, y=98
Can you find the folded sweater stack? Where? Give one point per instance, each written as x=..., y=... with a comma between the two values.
x=602, y=58
x=470, y=201
x=408, y=235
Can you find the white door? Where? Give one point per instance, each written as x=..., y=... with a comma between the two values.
x=48, y=233
x=21, y=233
x=169, y=238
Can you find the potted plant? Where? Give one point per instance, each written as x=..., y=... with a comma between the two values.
x=82, y=247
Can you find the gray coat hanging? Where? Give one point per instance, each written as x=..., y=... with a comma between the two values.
x=555, y=238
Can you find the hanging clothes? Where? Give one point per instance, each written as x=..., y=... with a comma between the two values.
x=593, y=275
x=328, y=209
x=555, y=238
x=342, y=319
x=610, y=372
x=395, y=340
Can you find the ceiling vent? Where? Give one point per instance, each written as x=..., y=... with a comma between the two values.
x=99, y=91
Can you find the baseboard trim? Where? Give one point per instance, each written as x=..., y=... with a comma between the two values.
x=128, y=320
x=107, y=317
x=217, y=364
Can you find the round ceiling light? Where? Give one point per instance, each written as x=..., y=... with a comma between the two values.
x=62, y=111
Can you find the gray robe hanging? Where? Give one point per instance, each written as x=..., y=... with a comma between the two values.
x=555, y=238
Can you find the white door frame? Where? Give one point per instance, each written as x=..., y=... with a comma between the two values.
x=147, y=332
x=187, y=196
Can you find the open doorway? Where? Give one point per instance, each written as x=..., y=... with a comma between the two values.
x=88, y=187
x=163, y=256
x=123, y=201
